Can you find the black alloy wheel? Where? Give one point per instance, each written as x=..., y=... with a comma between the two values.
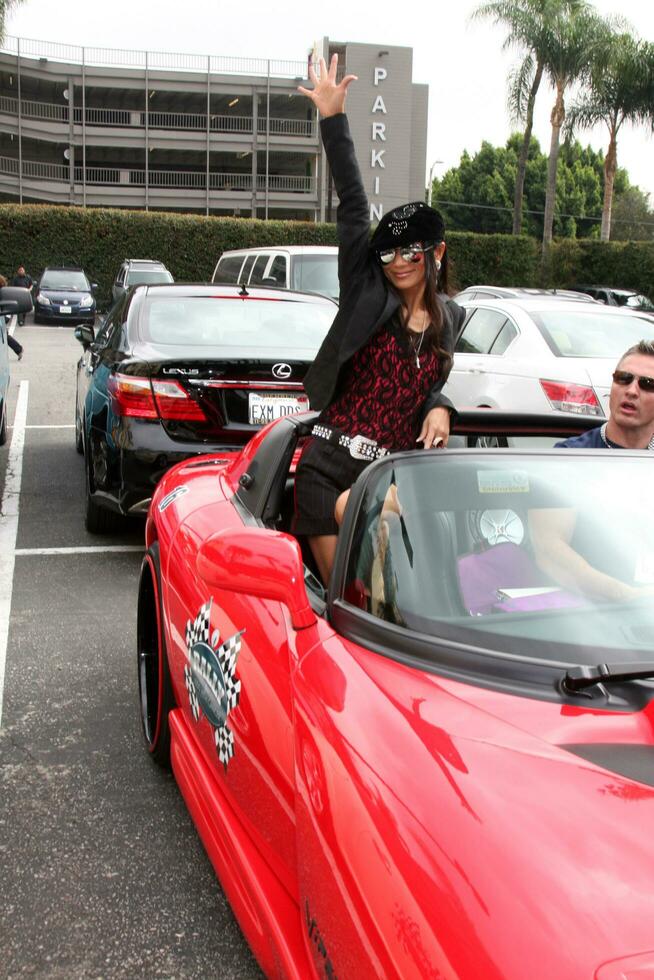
x=3, y=424
x=155, y=687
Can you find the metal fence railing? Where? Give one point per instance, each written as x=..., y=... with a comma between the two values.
x=174, y=179
x=159, y=60
x=178, y=121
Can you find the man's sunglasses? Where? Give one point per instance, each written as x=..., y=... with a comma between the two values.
x=408, y=253
x=626, y=377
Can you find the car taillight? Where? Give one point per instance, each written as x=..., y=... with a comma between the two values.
x=140, y=398
x=579, y=399
x=132, y=396
x=175, y=403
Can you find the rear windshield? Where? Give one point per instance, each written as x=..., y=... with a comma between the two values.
x=592, y=333
x=148, y=276
x=235, y=322
x=64, y=279
x=316, y=274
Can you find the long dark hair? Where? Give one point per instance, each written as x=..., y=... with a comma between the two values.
x=436, y=292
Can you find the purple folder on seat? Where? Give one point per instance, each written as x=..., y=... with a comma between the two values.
x=483, y=576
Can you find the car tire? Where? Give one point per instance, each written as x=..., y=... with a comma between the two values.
x=156, y=698
x=3, y=424
x=97, y=519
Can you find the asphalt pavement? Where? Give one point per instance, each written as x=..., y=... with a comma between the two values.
x=102, y=874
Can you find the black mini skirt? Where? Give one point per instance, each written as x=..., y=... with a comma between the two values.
x=323, y=472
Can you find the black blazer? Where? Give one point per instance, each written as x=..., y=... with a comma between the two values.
x=366, y=302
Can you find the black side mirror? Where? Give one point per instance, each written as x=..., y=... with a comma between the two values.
x=16, y=294
x=85, y=334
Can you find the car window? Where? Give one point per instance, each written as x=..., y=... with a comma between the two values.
x=113, y=319
x=315, y=274
x=277, y=270
x=591, y=331
x=64, y=279
x=228, y=269
x=259, y=268
x=480, y=332
x=639, y=302
x=449, y=547
x=148, y=276
x=229, y=321
x=507, y=334
x=247, y=269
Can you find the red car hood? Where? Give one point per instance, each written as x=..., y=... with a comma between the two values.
x=495, y=850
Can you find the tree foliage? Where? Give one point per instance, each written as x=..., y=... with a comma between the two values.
x=478, y=194
x=5, y=7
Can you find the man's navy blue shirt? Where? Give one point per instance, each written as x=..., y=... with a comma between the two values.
x=592, y=439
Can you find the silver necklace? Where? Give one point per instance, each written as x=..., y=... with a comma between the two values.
x=416, y=349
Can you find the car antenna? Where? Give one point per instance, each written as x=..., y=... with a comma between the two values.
x=243, y=290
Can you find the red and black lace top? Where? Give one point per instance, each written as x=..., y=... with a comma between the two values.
x=383, y=390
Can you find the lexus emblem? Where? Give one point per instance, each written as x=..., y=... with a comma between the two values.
x=282, y=371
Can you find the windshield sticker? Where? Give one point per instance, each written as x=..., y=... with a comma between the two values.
x=503, y=481
x=213, y=690
x=173, y=495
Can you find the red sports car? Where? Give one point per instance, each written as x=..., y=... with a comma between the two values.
x=443, y=765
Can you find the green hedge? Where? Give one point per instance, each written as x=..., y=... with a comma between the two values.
x=98, y=239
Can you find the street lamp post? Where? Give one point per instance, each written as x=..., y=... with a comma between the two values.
x=431, y=178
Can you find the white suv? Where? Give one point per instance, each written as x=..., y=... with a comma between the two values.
x=308, y=268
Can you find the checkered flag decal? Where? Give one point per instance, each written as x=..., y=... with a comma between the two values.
x=198, y=630
x=227, y=654
x=224, y=740
x=192, y=693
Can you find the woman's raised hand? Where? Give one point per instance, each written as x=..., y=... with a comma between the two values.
x=326, y=95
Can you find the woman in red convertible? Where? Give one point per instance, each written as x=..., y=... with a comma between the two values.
x=377, y=379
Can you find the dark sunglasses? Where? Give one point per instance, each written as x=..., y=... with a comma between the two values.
x=626, y=377
x=409, y=253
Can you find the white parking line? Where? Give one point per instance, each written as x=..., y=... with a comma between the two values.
x=9, y=525
x=83, y=550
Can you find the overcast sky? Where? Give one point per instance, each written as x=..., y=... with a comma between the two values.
x=462, y=63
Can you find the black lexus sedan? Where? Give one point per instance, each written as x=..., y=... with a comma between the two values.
x=177, y=370
x=64, y=295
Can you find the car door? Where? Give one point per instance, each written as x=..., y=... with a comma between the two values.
x=93, y=369
x=480, y=358
x=251, y=755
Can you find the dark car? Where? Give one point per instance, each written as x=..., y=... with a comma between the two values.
x=135, y=272
x=629, y=298
x=178, y=370
x=64, y=294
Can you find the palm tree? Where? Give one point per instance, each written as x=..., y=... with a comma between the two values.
x=570, y=46
x=619, y=90
x=529, y=23
x=5, y=7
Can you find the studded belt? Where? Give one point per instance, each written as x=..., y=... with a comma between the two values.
x=359, y=447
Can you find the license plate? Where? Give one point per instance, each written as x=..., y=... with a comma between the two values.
x=64, y=309
x=267, y=408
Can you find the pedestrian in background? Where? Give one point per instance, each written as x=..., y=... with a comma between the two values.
x=25, y=282
x=13, y=343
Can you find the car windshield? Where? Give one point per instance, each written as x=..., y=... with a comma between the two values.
x=64, y=279
x=148, y=276
x=512, y=553
x=637, y=302
x=589, y=332
x=316, y=274
x=235, y=321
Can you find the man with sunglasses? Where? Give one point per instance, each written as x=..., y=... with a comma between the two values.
x=631, y=405
x=561, y=541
